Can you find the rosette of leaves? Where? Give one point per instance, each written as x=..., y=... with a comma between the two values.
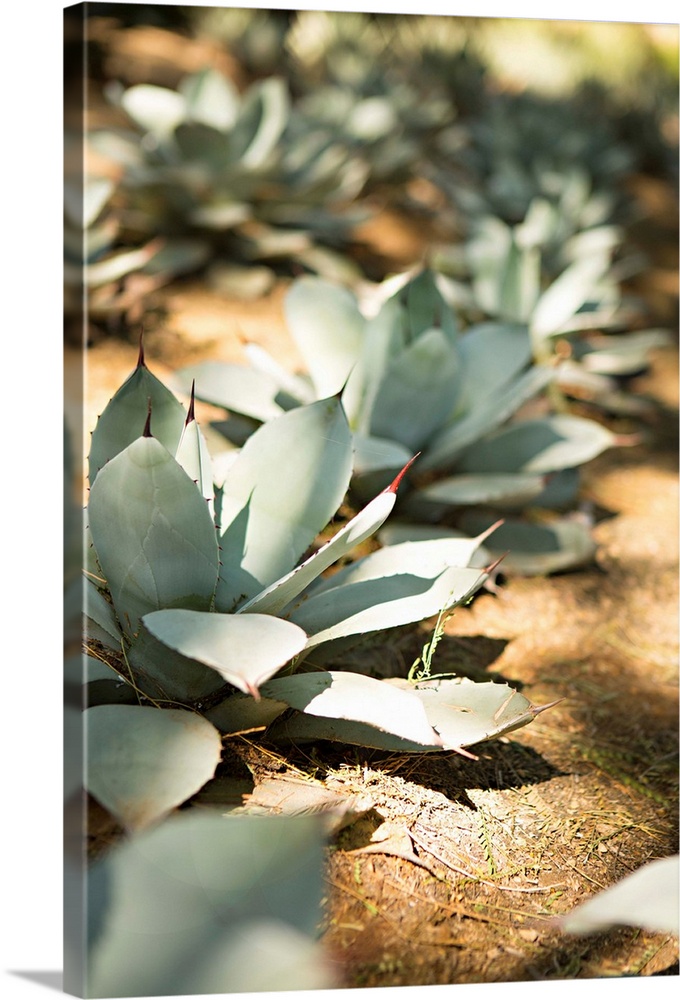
x=411, y=380
x=525, y=146
x=207, y=161
x=114, y=277
x=359, y=94
x=199, y=593
x=571, y=301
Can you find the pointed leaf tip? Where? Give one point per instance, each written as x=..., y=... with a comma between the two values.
x=489, y=569
x=537, y=709
x=394, y=485
x=628, y=440
x=190, y=413
x=147, y=426
x=489, y=531
x=141, y=362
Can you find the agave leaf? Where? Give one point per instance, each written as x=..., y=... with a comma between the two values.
x=296, y=387
x=560, y=490
x=276, y=597
x=202, y=154
x=501, y=489
x=426, y=307
x=566, y=295
x=163, y=674
x=464, y=712
x=245, y=650
x=488, y=413
x=519, y=283
x=102, y=624
x=355, y=697
x=241, y=713
x=281, y=491
x=205, y=904
x=538, y=549
x=647, y=898
x=461, y=550
x=193, y=455
x=124, y=417
x=623, y=355
x=238, y=388
x=264, y=114
x=210, y=98
x=373, y=454
x=153, y=534
x=426, y=557
x=327, y=326
x=538, y=446
x=301, y=728
x=84, y=204
x=221, y=215
x=179, y=256
x=372, y=604
x=143, y=762
x=417, y=392
x=118, y=264
x=158, y=110
x=492, y=355
x=383, y=339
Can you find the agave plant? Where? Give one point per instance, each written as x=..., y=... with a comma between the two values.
x=209, y=162
x=115, y=278
x=571, y=302
x=220, y=622
x=525, y=146
x=411, y=380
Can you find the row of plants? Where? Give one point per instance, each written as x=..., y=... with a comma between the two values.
x=231, y=568
x=212, y=609
x=207, y=177
x=204, y=619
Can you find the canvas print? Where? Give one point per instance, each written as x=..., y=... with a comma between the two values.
x=371, y=500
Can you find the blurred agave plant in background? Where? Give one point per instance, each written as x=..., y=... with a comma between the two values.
x=411, y=380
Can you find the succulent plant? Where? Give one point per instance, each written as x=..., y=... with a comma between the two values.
x=525, y=146
x=571, y=302
x=111, y=276
x=412, y=381
x=207, y=162
x=206, y=595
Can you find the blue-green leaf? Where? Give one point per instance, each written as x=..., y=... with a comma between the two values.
x=245, y=650
x=344, y=695
x=208, y=904
x=327, y=326
x=417, y=392
x=367, y=603
x=153, y=534
x=492, y=355
x=538, y=549
x=278, y=596
x=465, y=712
x=647, y=898
x=238, y=388
x=539, y=446
x=566, y=295
x=143, y=762
x=124, y=417
x=283, y=488
x=486, y=415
